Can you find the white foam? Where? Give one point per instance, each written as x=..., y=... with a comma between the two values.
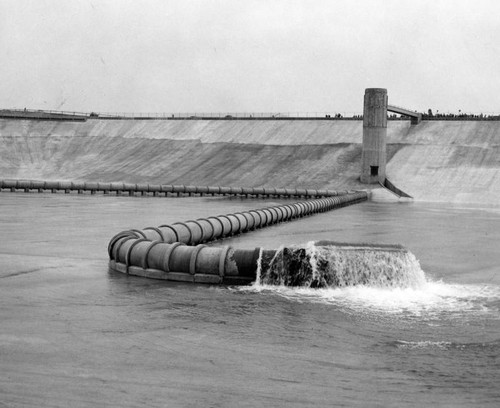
x=429, y=300
x=442, y=345
x=380, y=280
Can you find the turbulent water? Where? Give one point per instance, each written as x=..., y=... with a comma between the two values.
x=329, y=264
x=404, y=312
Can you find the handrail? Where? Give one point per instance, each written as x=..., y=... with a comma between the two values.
x=400, y=107
x=402, y=111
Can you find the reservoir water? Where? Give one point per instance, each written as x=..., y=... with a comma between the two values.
x=74, y=334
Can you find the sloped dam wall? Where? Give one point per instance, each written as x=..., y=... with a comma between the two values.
x=450, y=161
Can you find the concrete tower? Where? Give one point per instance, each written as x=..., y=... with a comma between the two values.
x=373, y=156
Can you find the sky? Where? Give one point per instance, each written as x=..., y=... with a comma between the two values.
x=249, y=55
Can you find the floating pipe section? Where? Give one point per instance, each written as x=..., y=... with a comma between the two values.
x=179, y=262
x=289, y=266
x=194, y=232
x=176, y=252
x=160, y=189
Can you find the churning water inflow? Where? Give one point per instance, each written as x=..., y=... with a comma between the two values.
x=370, y=278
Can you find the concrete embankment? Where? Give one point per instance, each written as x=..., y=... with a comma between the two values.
x=252, y=153
x=451, y=161
x=448, y=161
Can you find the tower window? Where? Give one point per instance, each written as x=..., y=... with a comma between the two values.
x=374, y=170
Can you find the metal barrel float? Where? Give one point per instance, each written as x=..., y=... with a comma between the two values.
x=177, y=251
x=160, y=189
x=194, y=232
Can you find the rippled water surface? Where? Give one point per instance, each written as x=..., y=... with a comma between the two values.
x=74, y=334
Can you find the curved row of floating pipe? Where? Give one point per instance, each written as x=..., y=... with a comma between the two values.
x=177, y=251
x=159, y=189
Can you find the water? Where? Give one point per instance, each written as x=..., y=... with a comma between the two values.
x=325, y=264
x=74, y=334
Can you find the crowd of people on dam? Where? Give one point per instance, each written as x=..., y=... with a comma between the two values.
x=443, y=116
x=429, y=115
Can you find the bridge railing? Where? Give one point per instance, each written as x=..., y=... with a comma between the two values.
x=401, y=108
x=40, y=112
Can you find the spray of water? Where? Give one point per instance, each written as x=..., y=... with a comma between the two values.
x=367, y=279
x=258, y=273
x=342, y=265
x=312, y=253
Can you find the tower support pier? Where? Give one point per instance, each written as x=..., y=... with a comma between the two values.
x=373, y=156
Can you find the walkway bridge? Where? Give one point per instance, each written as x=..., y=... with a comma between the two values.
x=415, y=117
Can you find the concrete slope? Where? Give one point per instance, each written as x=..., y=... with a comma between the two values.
x=216, y=152
x=268, y=132
x=451, y=161
x=448, y=161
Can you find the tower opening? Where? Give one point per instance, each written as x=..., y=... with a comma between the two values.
x=373, y=170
